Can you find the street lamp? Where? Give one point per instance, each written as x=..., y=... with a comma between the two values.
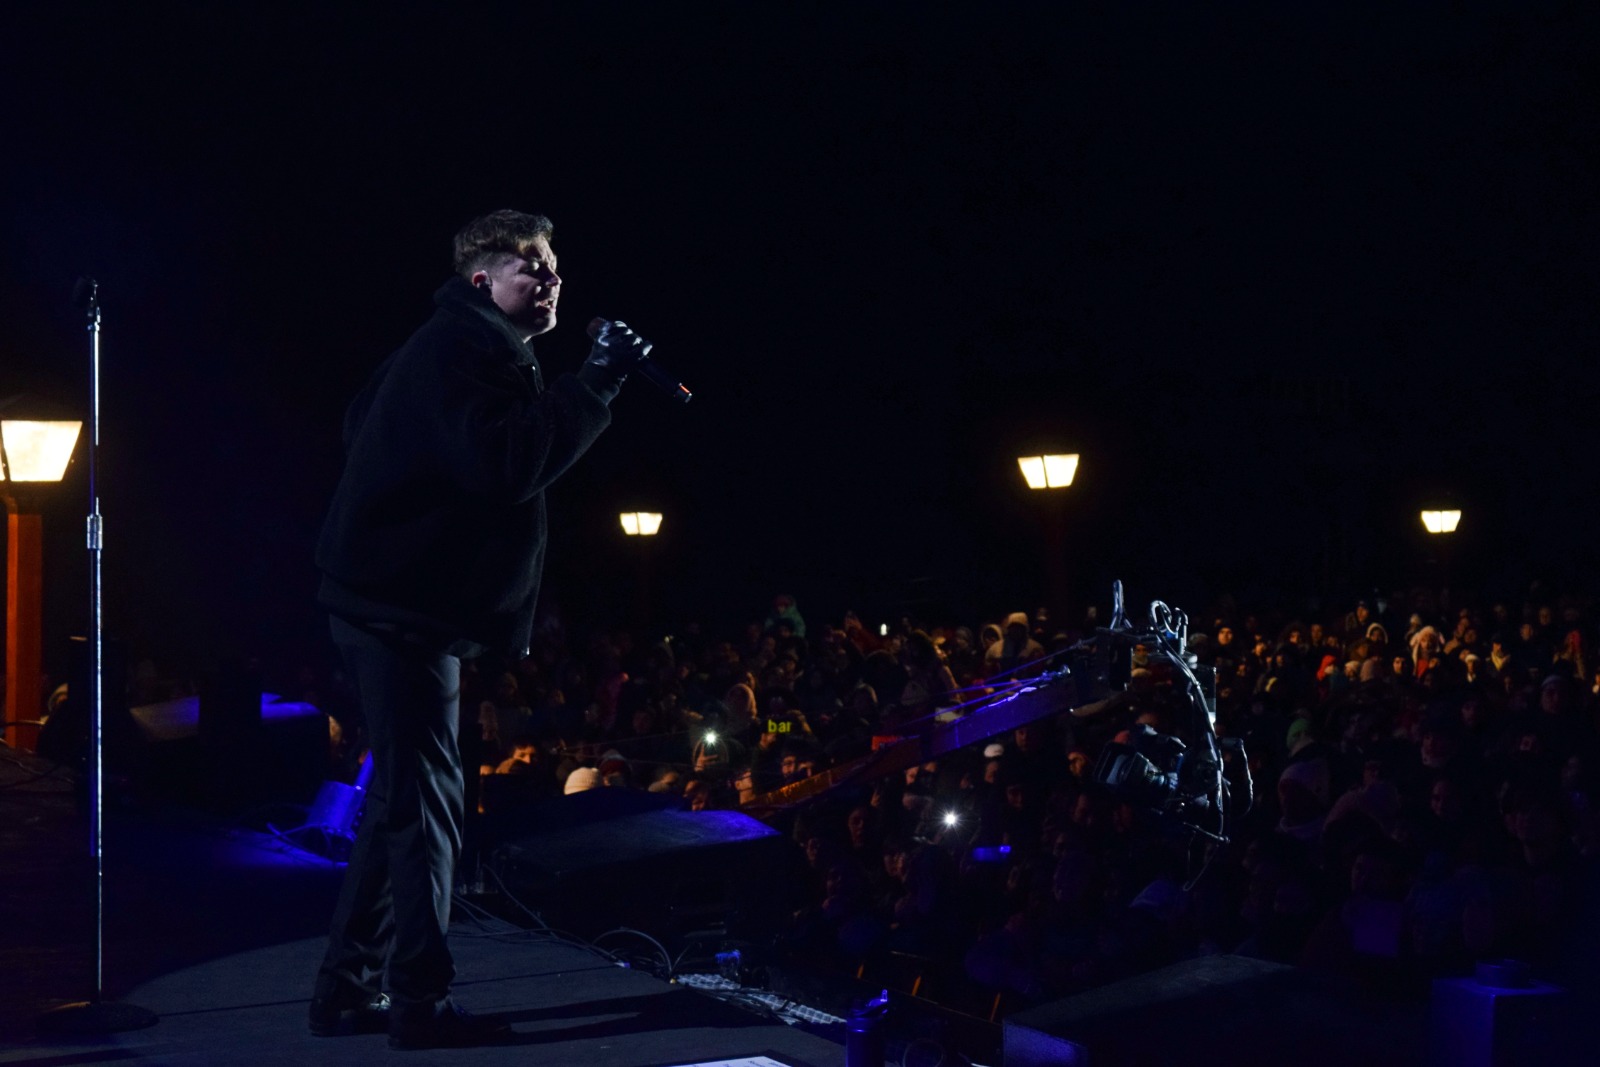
x=1049, y=472
x=641, y=523
x=1441, y=522
x=1044, y=473
x=33, y=451
x=1441, y=525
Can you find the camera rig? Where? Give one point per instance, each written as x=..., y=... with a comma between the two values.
x=1183, y=775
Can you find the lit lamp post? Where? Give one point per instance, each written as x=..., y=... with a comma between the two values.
x=642, y=524
x=1049, y=472
x=33, y=451
x=1441, y=522
x=1441, y=525
x=1046, y=473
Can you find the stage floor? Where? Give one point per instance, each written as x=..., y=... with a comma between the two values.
x=567, y=1005
x=218, y=929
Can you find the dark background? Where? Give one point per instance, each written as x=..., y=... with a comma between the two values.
x=1282, y=276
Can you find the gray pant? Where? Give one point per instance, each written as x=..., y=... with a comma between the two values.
x=395, y=901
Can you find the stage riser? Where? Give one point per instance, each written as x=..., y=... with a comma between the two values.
x=1222, y=1010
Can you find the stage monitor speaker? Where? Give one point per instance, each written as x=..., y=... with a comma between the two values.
x=230, y=705
x=1500, y=1017
x=605, y=858
x=1215, y=1010
x=65, y=736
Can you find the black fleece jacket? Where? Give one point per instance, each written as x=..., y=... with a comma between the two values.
x=438, y=526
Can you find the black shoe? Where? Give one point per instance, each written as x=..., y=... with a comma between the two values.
x=449, y=1027
x=342, y=1016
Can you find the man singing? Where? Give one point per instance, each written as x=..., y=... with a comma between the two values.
x=432, y=552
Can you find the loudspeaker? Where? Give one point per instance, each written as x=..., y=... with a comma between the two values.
x=1215, y=1010
x=65, y=736
x=235, y=774
x=605, y=858
x=1500, y=1017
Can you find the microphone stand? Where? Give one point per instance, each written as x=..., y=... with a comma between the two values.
x=96, y=1015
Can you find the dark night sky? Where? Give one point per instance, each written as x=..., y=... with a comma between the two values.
x=1277, y=273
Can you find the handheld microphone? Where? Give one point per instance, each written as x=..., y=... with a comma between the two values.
x=650, y=369
x=85, y=292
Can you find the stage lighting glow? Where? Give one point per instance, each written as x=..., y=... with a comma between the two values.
x=951, y=818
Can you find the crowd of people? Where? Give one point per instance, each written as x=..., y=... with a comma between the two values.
x=1425, y=796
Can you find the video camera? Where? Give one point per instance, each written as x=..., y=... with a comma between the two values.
x=1181, y=776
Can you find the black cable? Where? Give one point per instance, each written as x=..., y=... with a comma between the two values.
x=665, y=958
x=529, y=912
x=22, y=786
x=6, y=724
x=482, y=918
x=33, y=775
x=545, y=928
x=741, y=999
x=242, y=819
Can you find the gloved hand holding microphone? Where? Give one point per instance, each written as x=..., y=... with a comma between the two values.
x=618, y=351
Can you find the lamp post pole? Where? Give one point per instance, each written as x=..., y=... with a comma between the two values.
x=1441, y=526
x=24, y=610
x=35, y=450
x=642, y=526
x=1049, y=473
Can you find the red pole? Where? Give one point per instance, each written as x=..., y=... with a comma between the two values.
x=24, y=643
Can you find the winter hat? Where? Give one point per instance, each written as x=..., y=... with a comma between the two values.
x=1311, y=775
x=1017, y=618
x=1299, y=735
x=1380, y=801
x=581, y=779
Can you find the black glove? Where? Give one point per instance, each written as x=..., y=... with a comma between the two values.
x=617, y=350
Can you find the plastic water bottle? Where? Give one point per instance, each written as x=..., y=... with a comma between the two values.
x=863, y=1043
